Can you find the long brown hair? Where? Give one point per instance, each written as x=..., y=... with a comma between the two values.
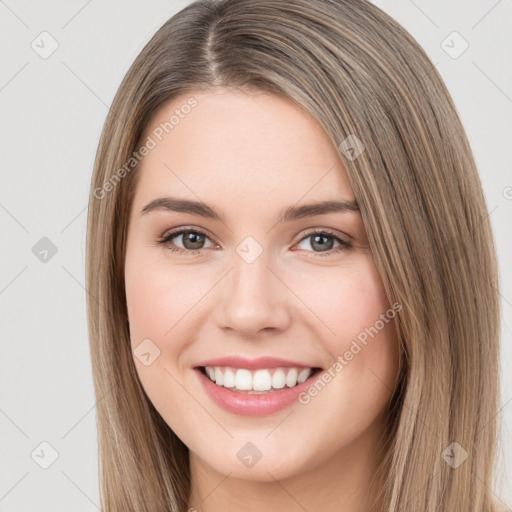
x=360, y=74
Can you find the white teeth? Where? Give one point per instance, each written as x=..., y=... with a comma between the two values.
x=262, y=381
x=242, y=379
x=219, y=376
x=279, y=379
x=229, y=378
x=291, y=377
x=303, y=375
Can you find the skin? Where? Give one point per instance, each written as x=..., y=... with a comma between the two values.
x=250, y=155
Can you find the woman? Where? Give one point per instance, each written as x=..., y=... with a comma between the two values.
x=292, y=285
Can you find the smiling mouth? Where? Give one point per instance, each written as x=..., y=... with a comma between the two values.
x=255, y=382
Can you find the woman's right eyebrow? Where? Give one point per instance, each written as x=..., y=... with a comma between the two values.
x=184, y=206
x=290, y=213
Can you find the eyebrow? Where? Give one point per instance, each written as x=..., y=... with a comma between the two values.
x=288, y=214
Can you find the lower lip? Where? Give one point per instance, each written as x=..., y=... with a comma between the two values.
x=253, y=405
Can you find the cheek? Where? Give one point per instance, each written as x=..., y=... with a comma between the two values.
x=356, y=322
x=345, y=301
x=161, y=304
x=157, y=303
x=361, y=376
x=158, y=300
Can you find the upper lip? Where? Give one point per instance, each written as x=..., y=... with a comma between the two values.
x=252, y=364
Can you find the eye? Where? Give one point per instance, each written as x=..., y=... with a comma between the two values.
x=324, y=240
x=193, y=241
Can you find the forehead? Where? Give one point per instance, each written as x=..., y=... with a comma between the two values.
x=253, y=146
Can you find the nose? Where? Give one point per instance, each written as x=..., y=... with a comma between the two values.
x=253, y=298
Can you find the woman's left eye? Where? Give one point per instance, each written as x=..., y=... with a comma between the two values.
x=192, y=241
x=325, y=241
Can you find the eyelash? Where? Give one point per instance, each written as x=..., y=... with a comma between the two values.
x=164, y=241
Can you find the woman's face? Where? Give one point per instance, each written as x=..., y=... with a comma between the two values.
x=270, y=277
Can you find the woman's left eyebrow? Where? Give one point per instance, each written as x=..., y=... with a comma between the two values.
x=288, y=214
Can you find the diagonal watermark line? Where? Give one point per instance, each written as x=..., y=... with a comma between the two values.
x=286, y=491
x=14, y=76
x=491, y=80
x=74, y=278
x=505, y=299
x=84, y=84
x=498, y=412
x=486, y=14
x=14, y=218
x=110, y=110
x=17, y=426
x=13, y=13
x=14, y=485
x=75, y=15
x=507, y=509
x=81, y=419
x=203, y=407
x=279, y=423
x=73, y=219
x=218, y=485
x=82, y=286
x=424, y=14
x=80, y=490
x=13, y=279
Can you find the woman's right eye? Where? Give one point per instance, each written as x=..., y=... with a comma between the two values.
x=192, y=241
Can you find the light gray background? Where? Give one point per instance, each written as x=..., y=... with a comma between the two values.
x=53, y=110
